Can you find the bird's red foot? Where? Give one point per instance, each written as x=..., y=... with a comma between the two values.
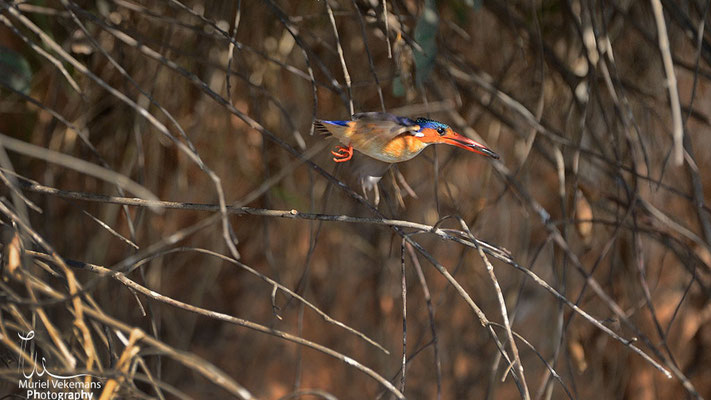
x=343, y=154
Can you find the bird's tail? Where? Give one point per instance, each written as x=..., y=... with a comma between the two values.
x=329, y=128
x=320, y=127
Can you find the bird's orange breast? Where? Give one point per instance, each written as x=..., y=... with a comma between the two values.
x=401, y=148
x=369, y=140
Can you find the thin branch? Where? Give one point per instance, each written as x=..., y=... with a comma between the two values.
x=677, y=124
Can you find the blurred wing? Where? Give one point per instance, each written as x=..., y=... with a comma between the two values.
x=384, y=125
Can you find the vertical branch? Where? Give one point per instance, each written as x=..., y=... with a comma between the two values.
x=663, y=37
x=431, y=314
x=387, y=28
x=346, y=75
x=403, y=288
x=361, y=23
x=231, y=49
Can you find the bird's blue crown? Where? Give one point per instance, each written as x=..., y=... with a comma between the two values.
x=430, y=123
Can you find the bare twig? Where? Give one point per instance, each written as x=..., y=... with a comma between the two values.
x=677, y=125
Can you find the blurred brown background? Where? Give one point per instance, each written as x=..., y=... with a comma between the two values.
x=572, y=94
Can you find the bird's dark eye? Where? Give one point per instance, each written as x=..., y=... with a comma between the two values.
x=440, y=130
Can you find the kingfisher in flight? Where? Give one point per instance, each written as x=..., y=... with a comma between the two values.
x=388, y=139
x=392, y=139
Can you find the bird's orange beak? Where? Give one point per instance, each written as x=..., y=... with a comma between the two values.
x=455, y=139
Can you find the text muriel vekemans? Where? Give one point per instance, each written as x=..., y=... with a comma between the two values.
x=58, y=389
